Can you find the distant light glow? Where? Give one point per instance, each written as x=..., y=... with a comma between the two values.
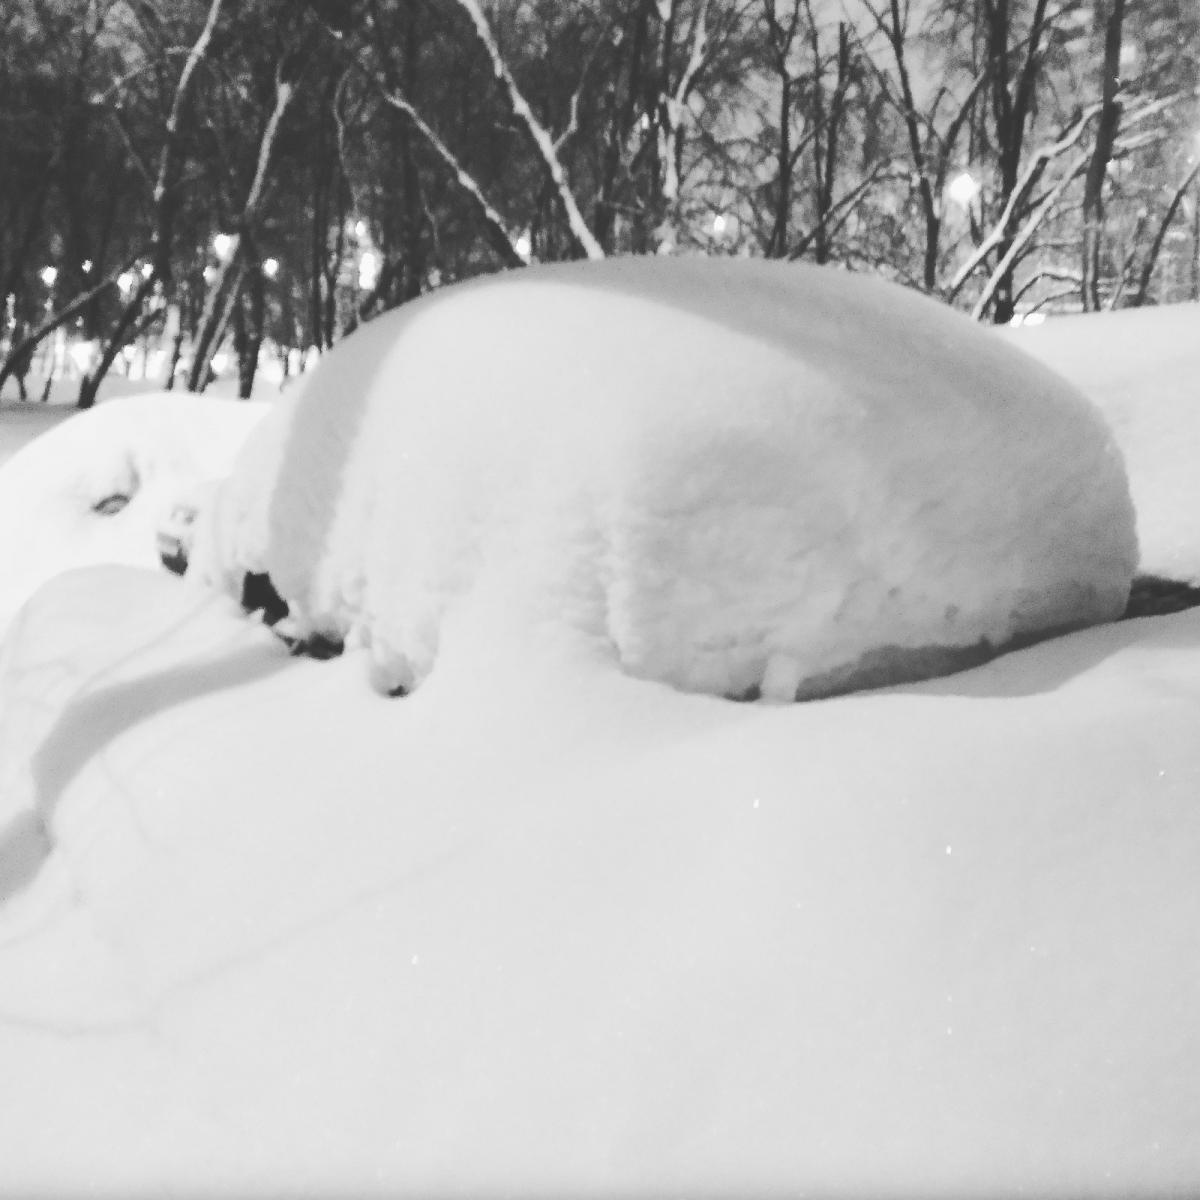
x=81, y=353
x=524, y=245
x=125, y=282
x=270, y=267
x=360, y=229
x=49, y=275
x=87, y=265
x=222, y=245
x=725, y=227
x=147, y=270
x=963, y=189
x=368, y=270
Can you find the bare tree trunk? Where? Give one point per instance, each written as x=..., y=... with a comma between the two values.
x=1011, y=108
x=166, y=201
x=1106, y=132
x=1195, y=261
x=622, y=114
x=412, y=281
x=223, y=291
x=1151, y=259
x=894, y=29
x=16, y=364
x=781, y=40
x=249, y=331
x=828, y=137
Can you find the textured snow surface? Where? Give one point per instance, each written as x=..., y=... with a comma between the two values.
x=733, y=476
x=540, y=929
x=155, y=450
x=1141, y=367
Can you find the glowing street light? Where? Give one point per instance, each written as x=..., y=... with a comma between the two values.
x=368, y=270
x=222, y=245
x=48, y=275
x=524, y=246
x=963, y=189
x=270, y=267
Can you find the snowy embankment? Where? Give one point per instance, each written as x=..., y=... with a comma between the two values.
x=1141, y=367
x=542, y=927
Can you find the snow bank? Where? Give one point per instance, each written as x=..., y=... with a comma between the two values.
x=97, y=486
x=737, y=477
x=1141, y=367
x=576, y=936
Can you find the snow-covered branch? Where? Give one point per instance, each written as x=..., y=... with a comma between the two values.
x=1033, y=172
x=223, y=291
x=1027, y=230
x=494, y=224
x=538, y=133
x=195, y=57
x=672, y=105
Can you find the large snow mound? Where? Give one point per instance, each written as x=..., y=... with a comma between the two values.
x=1141, y=367
x=735, y=477
x=98, y=486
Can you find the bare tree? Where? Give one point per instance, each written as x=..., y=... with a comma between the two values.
x=1151, y=259
x=932, y=130
x=243, y=259
x=1106, y=132
x=133, y=318
x=546, y=145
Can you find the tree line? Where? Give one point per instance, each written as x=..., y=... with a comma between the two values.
x=250, y=173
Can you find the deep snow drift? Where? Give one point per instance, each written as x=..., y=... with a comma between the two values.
x=736, y=477
x=1141, y=367
x=98, y=486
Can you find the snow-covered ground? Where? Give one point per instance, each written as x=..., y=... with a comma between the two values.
x=1142, y=368
x=542, y=927
x=97, y=486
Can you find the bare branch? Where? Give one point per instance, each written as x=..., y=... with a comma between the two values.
x=25, y=347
